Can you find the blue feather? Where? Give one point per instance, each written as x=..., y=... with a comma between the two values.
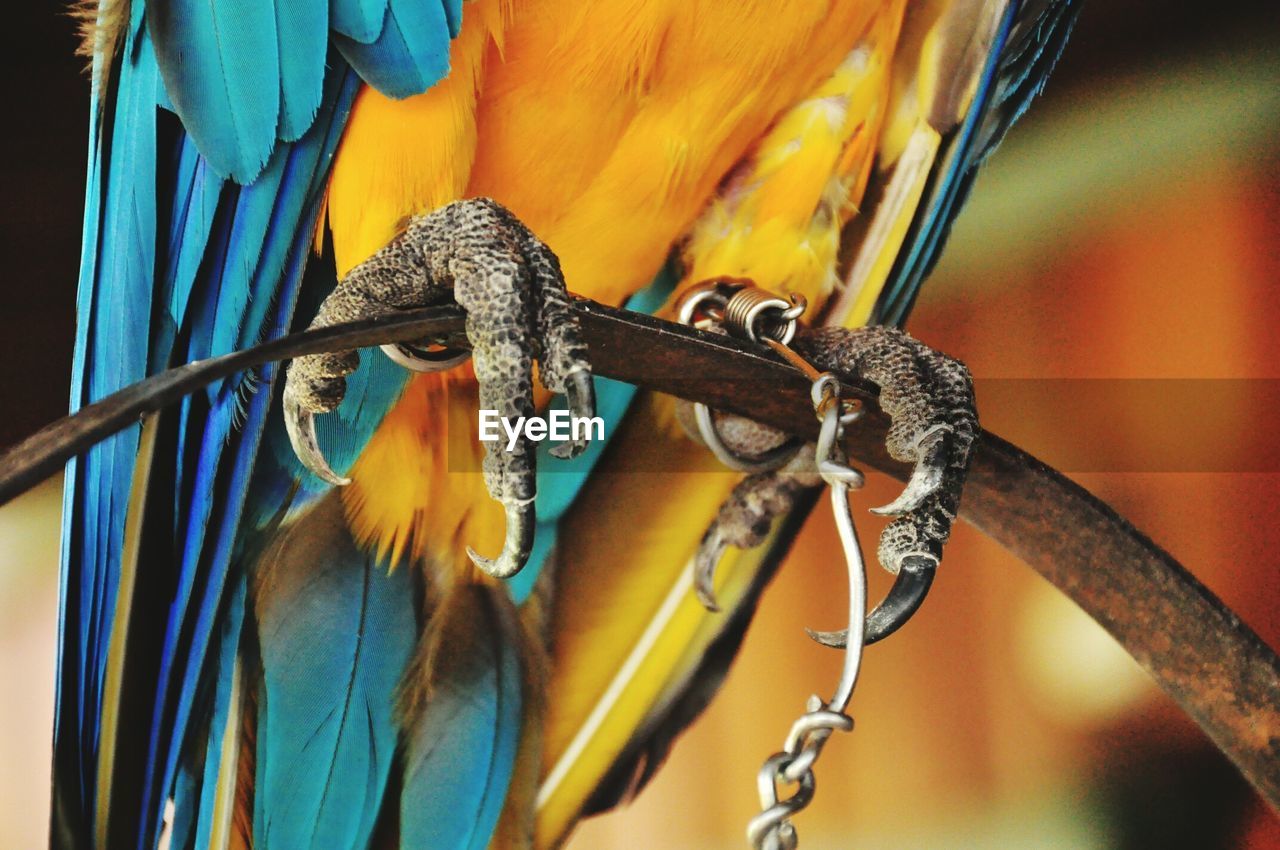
x=360, y=20
x=1031, y=36
x=938, y=206
x=337, y=630
x=460, y=749
x=221, y=66
x=225, y=271
x=112, y=317
x=224, y=455
x=453, y=11
x=197, y=190
x=302, y=29
x=186, y=807
x=410, y=54
x=224, y=712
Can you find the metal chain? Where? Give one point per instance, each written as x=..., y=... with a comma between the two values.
x=793, y=766
x=750, y=312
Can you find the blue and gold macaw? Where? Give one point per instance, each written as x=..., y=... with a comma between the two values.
x=252, y=656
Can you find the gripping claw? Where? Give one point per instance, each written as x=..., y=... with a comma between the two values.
x=521, y=520
x=909, y=590
x=927, y=476
x=581, y=395
x=704, y=569
x=300, y=424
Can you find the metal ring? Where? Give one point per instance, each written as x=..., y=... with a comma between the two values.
x=743, y=306
x=763, y=462
x=417, y=359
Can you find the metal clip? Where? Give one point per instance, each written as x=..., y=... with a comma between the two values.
x=748, y=312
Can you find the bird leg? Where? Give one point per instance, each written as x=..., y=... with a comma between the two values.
x=479, y=255
x=933, y=424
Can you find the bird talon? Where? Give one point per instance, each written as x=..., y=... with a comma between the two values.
x=927, y=476
x=837, y=639
x=300, y=424
x=915, y=577
x=517, y=545
x=581, y=395
x=709, y=553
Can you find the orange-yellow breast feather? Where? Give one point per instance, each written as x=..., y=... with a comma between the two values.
x=607, y=128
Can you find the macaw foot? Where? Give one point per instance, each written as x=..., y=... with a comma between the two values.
x=745, y=518
x=929, y=399
x=479, y=255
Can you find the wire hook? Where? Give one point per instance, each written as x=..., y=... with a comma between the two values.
x=772, y=828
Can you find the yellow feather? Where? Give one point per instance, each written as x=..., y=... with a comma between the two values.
x=628, y=614
x=616, y=130
x=109, y=719
x=607, y=132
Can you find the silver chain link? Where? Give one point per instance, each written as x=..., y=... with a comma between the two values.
x=792, y=768
x=747, y=311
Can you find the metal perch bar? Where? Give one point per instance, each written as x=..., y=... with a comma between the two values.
x=1198, y=651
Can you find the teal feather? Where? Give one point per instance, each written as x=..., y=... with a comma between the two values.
x=168, y=239
x=360, y=20
x=186, y=807
x=336, y=631
x=196, y=192
x=225, y=711
x=221, y=68
x=302, y=31
x=409, y=55
x=461, y=742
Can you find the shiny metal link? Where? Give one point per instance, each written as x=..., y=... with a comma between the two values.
x=772, y=828
x=743, y=309
x=746, y=311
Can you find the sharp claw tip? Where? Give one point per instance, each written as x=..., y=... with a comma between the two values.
x=708, y=599
x=504, y=566
x=489, y=566
x=568, y=451
x=835, y=640
x=704, y=571
x=924, y=482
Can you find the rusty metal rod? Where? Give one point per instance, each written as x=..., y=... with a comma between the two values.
x=1196, y=649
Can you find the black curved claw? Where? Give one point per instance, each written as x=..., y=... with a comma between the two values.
x=904, y=599
x=908, y=591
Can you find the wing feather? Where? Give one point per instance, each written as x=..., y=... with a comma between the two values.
x=1028, y=45
x=462, y=723
x=337, y=630
x=180, y=260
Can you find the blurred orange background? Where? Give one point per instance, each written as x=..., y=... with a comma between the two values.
x=1128, y=229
